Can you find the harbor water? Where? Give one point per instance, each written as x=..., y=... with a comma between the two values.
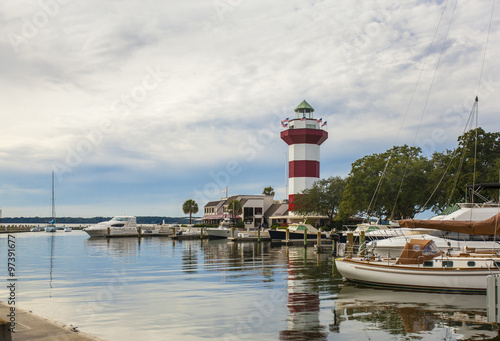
x=159, y=289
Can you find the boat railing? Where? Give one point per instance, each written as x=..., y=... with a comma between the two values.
x=420, y=260
x=493, y=264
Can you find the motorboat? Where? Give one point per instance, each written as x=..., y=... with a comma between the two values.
x=220, y=232
x=296, y=231
x=67, y=229
x=119, y=226
x=37, y=229
x=51, y=228
x=423, y=266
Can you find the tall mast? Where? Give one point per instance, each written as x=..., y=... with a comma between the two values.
x=53, y=203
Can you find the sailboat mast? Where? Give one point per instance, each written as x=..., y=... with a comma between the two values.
x=53, y=203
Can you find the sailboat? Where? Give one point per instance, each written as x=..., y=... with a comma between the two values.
x=52, y=227
x=422, y=266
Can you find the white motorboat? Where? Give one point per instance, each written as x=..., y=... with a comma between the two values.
x=471, y=211
x=220, y=232
x=68, y=229
x=51, y=228
x=296, y=231
x=37, y=229
x=119, y=226
x=423, y=266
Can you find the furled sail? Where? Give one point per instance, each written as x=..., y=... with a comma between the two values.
x=485, y=227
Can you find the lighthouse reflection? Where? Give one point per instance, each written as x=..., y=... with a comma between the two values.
x=303, y=321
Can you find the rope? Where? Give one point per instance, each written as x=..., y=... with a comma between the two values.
x=428, y=93
x=375, y=194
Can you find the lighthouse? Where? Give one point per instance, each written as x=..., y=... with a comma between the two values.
x=303, y=134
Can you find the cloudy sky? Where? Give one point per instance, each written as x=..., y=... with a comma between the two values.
x=140, y=105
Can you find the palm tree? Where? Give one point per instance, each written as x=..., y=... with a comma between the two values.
x=268, y=191
x=235, y=208
x=190, y=206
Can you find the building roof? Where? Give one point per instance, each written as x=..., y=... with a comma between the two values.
x=212, y=203
x=304, y=107
x=272, y=209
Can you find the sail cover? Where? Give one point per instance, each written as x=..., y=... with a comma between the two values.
x=486, y=227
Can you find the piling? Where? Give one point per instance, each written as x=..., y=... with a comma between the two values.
x=232, y=231
x=318, y=237
x=350, y=245
x=173, y=229
x=139, y=230
x=109, y=231
x=258, y=235
x=362, y=245
x=305, y=237
x=287, y=234
x=201, y=234
x=5, y=333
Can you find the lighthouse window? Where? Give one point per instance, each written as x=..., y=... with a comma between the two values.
x=310, y=126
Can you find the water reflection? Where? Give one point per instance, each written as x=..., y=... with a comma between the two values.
x=194, y=290
x=303, y=298
x=459, y=317
x=52, y=238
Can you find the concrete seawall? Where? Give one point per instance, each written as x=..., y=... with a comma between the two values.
x=29, y=326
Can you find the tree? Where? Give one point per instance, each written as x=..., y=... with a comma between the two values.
x=234, y=207
x=190, y=206
x=458, y=166
x=394, y=184
x=268, y=191
x=323, y=198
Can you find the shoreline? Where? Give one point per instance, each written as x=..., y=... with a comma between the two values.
x=31, y=326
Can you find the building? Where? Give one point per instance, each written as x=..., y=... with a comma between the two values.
x=254, y=209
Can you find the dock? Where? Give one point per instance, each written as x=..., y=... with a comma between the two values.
x=30, y=326
x=188, y=237
x=250, y=236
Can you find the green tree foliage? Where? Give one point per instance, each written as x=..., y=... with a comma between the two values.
x=268, y=191
x=458, y=166
x=323, y=198
x=190, y=206
x=413, y=183
x=404, y=188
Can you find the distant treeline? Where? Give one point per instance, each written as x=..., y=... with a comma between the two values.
x=94, y=220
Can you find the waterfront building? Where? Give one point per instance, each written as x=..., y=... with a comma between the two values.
x=253, y=210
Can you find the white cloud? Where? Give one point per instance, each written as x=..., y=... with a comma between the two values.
x=223, y=77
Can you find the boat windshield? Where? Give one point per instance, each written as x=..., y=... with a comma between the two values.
x=120, y=219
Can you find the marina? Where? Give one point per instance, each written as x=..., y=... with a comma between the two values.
x=159, y=288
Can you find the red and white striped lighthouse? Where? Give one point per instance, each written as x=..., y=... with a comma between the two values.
x=303, y=134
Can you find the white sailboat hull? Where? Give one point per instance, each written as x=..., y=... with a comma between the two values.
x=382, y=274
